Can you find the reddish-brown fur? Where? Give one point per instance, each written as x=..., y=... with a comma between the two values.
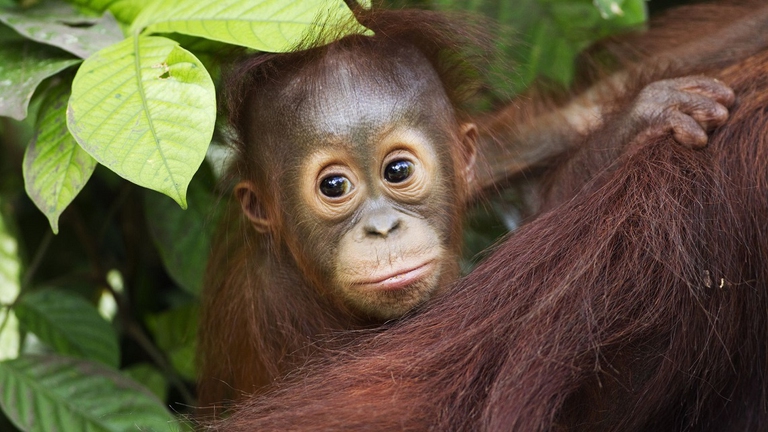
x=640, y=304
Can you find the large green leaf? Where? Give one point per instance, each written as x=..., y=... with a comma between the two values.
x=25, y=64
x=265, y=25
x=145, y=108
x=10, y=271
x=124, y=10
x=55, y=168
x=51, y=393
x=69, y=324
x=183, y=237
x=63, y=26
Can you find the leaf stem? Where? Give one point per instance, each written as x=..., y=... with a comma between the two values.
x=37, y=259
x=6, y=317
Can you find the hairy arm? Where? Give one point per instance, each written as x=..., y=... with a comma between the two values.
x=516, y=141
x=686, y=108
x=513, y=143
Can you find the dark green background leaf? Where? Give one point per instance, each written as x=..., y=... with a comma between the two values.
x=183, y=237
x=151, y=378
x=175, y=332
x=69, y=324
x=51, y=393
x=61, y=25
x=25, y=64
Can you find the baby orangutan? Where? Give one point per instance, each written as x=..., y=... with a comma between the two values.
x=354, y=166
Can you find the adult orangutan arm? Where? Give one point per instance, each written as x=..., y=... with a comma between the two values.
x=512, y=142
x=686, y=108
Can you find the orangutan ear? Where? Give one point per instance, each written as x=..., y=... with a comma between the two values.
x=253, y=208
x=469, y=135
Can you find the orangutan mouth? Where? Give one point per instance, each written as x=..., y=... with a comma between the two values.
x=398, y=279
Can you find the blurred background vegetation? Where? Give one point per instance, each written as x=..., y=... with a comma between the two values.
x=133, y=259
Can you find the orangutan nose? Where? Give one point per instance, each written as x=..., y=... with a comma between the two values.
x=382, y=224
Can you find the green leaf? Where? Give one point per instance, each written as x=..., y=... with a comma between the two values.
x=10, y=285
x=7, y=34
x=63, y=26
x=175, y=332
x=151, y=378
x=541, y=38
x=551, y=34
x=55, y=168
x=265, y=25
x=609, y=8
x=69, y=324
x=634, y=13
x=50, y=393
x=145, y=108
x=25, y=65
x=124, y=10
x=183, y=237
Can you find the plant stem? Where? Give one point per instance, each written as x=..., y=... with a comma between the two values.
x=37, y=259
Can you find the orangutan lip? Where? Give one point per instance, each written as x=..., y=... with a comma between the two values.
x=398, y=280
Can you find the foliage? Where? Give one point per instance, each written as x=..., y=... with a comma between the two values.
x=97, y=322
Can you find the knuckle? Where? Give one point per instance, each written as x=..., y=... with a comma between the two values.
x=713, y=112
x=721, y=112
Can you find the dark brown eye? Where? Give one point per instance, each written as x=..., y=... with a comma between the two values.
x=398, y=171
x=335, y=186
